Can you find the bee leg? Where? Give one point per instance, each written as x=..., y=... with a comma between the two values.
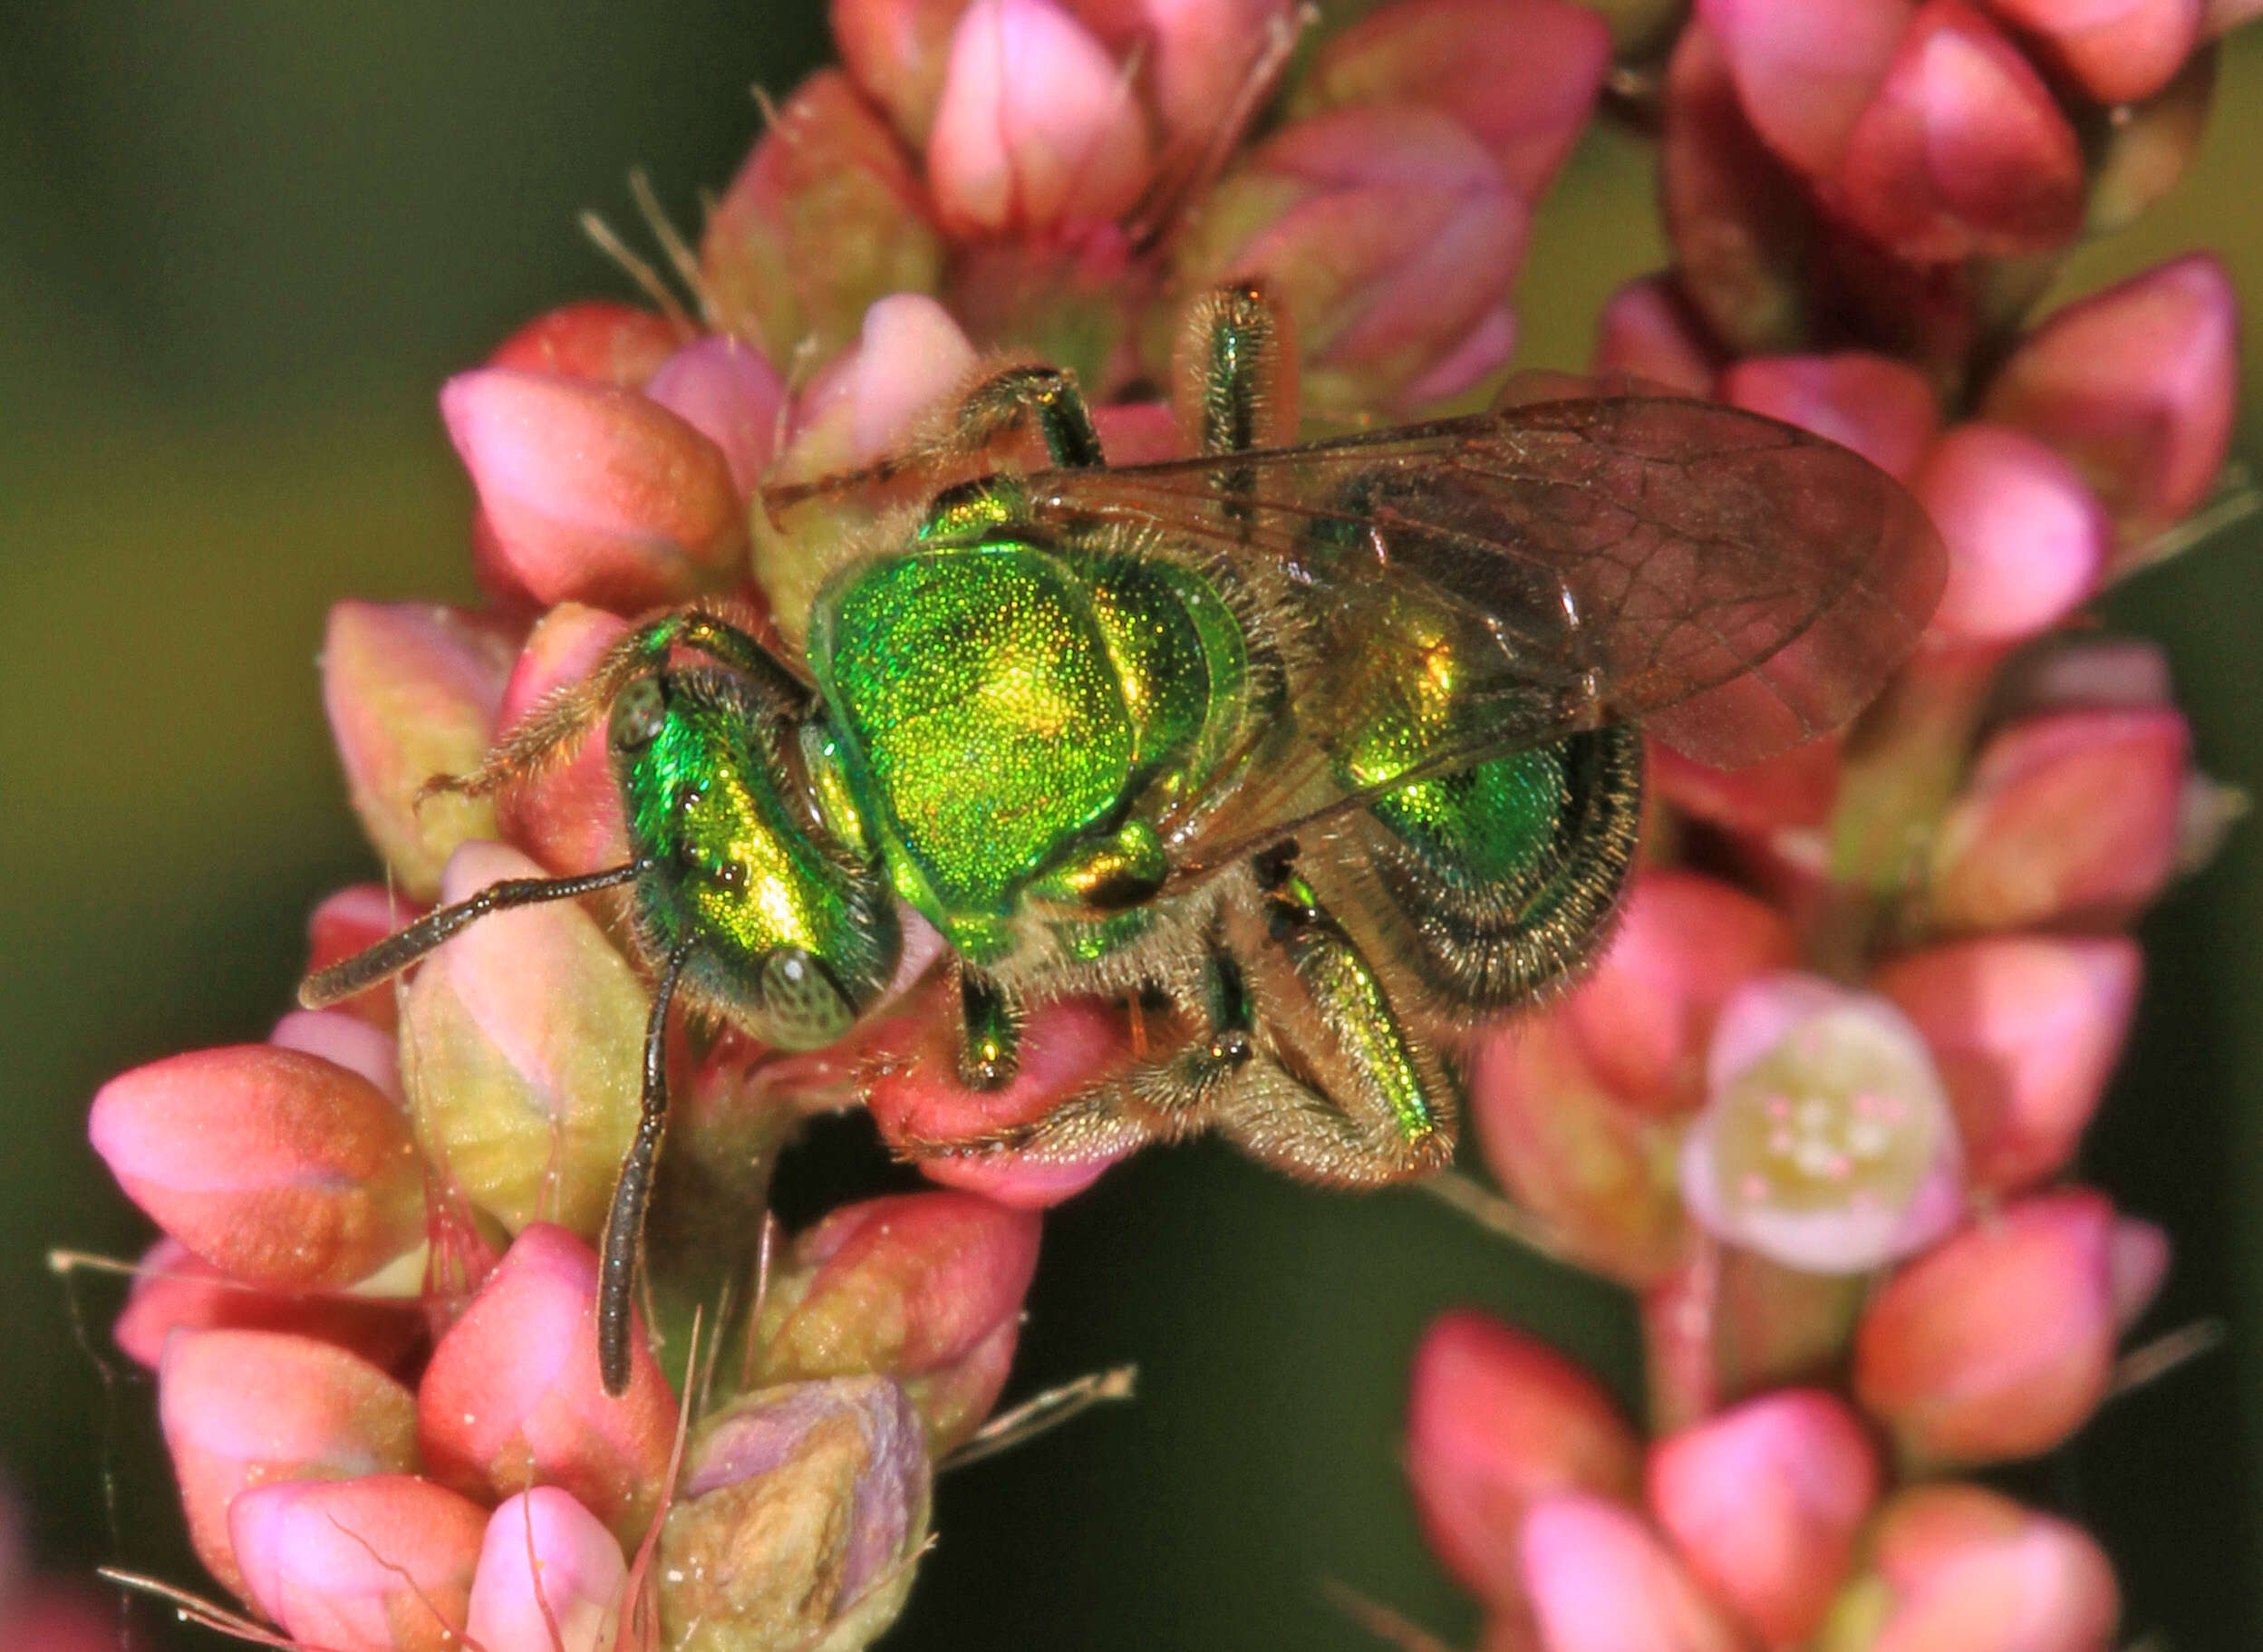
x=1026, y=397
x=989, y=1032
x=624, y=1223
x=1335, y=1090
x=1233, y=374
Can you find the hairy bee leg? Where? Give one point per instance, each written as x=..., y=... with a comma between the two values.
x=1233, y=372
x=989, y=1032
x=624, y=1223
x=1045, y=399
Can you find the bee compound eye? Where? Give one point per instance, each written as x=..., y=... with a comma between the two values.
x=804, y=1008
x=638, y=711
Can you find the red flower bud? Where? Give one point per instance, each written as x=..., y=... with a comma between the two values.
x=1883, y=408
x=242, y=1409
x=381, y=1564
x=1763, y=1500
x=1600, y=1583
x=2138, y=385
x=568, y=816
x=2069, y=818
x=1495, y=1421
x=2000, y=1343
x=175, y=1289
x=2026, y=540
x=604, y=343
x=1963, y=152
x=273, y=1166
x=925, y=1288
x=2117, y=51
x=550, y=1579
x=1521, y=75
x=411, y=690
x=2024, y=1030
x=512, y=1397
x=592, y=492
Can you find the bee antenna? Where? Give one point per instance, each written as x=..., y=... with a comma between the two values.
x=397, y=952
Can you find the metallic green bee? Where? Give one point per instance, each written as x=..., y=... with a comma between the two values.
x=1318, y=750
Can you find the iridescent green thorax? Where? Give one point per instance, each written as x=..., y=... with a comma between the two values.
x=1002, y=708
x=790, y=931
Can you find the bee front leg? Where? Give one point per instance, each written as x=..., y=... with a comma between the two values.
x=989, y=1032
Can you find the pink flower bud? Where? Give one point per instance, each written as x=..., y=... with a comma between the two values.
x=1521, y=75
x=1600, y=1583
x=2070, y=817
x=175, y=1289
x=1763, y=1501
x=922, y=1109
x=1684, y=944
x=512, y=1397
x=1965, y=1569
x=1196, y=56
x=2026, y=540
x=1392, y=239
x=345, y=1040
x=550, y=1579
x=411, y=690
x=725, y=391
x=2000, y=1343
x=925, y=1288
x=825, y=218
x=897, y=50
x=1791, y=790
x=1883, y=408
x=358, y=916
x=801, y=1513
x=1649, y=329
x=604, y=343
x=527, y=1033
x=1963, y=152
x=2138, y=385
x=2117, y=51
x=1494, y=1421
x=592, y=493
x=910, y=358
x=2024, y=1030
x=1035, y=127
x=382, y=1564
x=242, y=1409
x=568, y=816
x=1591, y=1165
x=1827, y=1143
x=1805, y=72
x=273, y=1166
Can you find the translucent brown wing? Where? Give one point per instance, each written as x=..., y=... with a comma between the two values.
x=1736, y=583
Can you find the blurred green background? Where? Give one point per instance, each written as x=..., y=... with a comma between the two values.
x=241, y=243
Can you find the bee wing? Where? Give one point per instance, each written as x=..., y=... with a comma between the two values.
x=1739, y=584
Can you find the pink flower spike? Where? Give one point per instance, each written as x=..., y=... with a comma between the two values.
x=1763, y=1501
x=724, y=388
x=2024, y=1030
x=1964, y=151
x=2026, y=540
x=526, y=1027
x=2117, y=51
x=1685, y=943
x=596, y=340
x=274, y=1165
x=550, y=1579
x=1969, y=1571
x=411, y=689
x=1494, y=1421
x=926, y=1288
x=1827, y=1143
x=381, y=1564
x=512, y=1397
x=242, y=1409
x=2138, y=385
x=1648, y=330
x=592, y=493
x=922, y=1110
x=1600, y=1581
x=1035, y=125
x=175, y=1289
x=2000, y=1343
x=1805, y=72
x=1883, y=408
x=568, y=816
x=2071, y=818
x=801, y=1511
x=1520, y=75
